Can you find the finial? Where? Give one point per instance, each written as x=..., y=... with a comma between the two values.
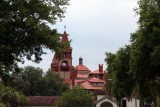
x=65, y=28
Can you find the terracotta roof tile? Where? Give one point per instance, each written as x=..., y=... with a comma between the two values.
x=97, y=72
x=95, y=80
x=88, y=86
x=81, y=67
x=87, y=83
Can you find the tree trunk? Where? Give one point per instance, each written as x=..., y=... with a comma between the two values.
x=141, y=103
x=120, y=104
x=155, y=101
x=8, y=104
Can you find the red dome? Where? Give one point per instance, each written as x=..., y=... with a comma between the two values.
x=81, y=67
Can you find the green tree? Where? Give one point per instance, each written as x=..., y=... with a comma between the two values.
x=32, y=82
x=108, y=85
x=76, y=97
x=118, y=67
x=145, y=58
x=10, y=97
x=54, y=84
x=27, y=80
x=143, y=64
x=2, y=105
x=25, y=31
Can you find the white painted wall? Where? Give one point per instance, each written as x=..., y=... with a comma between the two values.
x=133, y=103
x=100, y=96
x=106, y=100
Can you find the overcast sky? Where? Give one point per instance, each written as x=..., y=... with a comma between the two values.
x=95, y=27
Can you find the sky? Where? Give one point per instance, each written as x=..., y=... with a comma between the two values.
x=95, y=27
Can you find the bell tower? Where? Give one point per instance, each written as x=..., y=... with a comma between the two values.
x=63, y=66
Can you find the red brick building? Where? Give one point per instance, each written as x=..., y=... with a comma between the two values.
x=78, y=75
x=92, y=81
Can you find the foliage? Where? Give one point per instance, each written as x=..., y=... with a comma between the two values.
x=146, y=47
x=108, y=86
x=53, y=81
x=25, y=31
x=138, y=71
x=76, y=97
x=122, y=83
x=33, y=82
x=11, y=97
x=158, y=101
x=2, y=105
x=27, y=80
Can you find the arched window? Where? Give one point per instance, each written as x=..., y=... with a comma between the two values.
x=106, y=104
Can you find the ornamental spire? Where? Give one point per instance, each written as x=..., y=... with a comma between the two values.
x=65, y=28
x=65, y=36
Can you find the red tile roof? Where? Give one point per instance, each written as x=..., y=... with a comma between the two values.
x=88, y=86
x=77, y=82
x=95, y=80
x=42, y=100
x=87, y=83
x=81, y=67
x=97, y=72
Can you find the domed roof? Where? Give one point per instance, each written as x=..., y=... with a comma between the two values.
x=81, y=67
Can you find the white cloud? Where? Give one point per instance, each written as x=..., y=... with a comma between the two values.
x=96, y=26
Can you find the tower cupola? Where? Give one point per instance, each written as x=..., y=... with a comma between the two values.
x=80, y=61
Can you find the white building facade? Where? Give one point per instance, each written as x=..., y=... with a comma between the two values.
x=104, y=101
